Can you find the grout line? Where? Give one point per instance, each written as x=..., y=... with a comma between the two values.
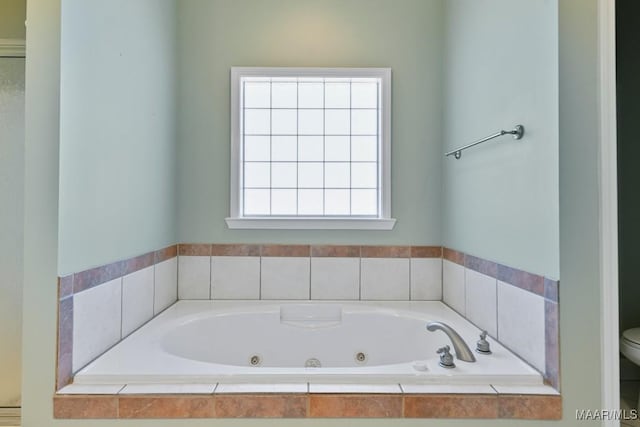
x=210, y=276
x=215, y=387
x=496, y=315
x=260, y=279
x=177, y=277
x=464, y=299
x=441, y=279
x=176, y=282
x=360, y=279
x=324, y=146
x=121, y=306
x=410, y=272
x=153, y=298
x=350, y=147
x=494, y=389
x=270, y=146
x=122, y=388
x=310, y=275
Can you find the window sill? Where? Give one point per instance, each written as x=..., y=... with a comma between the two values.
x=311, y=223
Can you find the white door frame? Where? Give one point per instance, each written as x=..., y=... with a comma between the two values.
x=608, y=206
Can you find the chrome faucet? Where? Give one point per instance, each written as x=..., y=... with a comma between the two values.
x=459, y=346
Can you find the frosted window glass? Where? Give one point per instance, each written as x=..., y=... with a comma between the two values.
x=364, y=175
x=310, y=175
x=257, y=95
x=336, y=148
x=364, y=202
x=310, y=145
x=257, y=175
x=310, y=95
x=283, y=202
x=284, y=122
x=310, y=202
x=364, y=122
x=310, y=148
x=336, y=202
x=337, y=95
x=257, y=202
x=364, y=148
x=256, y=122
x=284, y=148
x=310, y=122
x=337, y=79
x=336, y=175
x=284, y=95
x=336, y=122
x=256, y=148
x=364, y=95
x=283, y=175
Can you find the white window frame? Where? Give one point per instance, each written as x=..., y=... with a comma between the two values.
x=382, y=222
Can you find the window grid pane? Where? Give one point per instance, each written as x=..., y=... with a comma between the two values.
x=313, y=122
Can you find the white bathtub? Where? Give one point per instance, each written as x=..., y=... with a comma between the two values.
x=217, y=341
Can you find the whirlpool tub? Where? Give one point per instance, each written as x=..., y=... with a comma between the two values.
x=301, y=342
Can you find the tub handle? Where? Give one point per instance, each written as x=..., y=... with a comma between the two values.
x=446, y=359
x=483, y=346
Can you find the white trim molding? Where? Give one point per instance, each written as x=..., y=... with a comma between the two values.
x=381, y=221
x=275, y=223
x=12, y=48
x=608, y=194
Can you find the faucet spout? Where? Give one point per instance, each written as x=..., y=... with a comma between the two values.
x=459, y=346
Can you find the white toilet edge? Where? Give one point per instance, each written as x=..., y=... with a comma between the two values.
x=624, y=341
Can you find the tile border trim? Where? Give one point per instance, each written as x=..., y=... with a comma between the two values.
x=453, y=255
x=534, y=283
x=64, y=343
x=301, y=250
x=235, y=250
x=309, y=405
x=81, y=281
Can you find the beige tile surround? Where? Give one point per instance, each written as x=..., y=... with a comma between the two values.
x=214, y=264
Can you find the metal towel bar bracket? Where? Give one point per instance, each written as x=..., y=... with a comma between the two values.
x=517, y=133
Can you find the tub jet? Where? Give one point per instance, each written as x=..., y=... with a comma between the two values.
x=312, y=363
x=255, y=360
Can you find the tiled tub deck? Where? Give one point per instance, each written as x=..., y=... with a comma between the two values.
x=417, y=271
x=308, y=401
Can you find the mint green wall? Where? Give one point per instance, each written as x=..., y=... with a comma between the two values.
x=500, y=199
x=117, y=131
x=12, y=17
x=215, y=35
x=578, y=230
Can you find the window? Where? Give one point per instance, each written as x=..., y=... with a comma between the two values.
x=310, y=148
